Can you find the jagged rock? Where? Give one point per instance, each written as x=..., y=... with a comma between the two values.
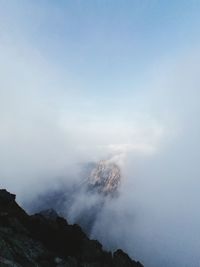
x=28, y=241
x=121, y=259
x=50, y=214
x=4, y=194
x=105, y=177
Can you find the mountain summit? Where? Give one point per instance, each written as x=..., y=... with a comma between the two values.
x=105, y=177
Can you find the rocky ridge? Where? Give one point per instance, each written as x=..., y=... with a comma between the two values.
x=47, y=240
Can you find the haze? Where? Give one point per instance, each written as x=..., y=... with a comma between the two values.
x=88, y=80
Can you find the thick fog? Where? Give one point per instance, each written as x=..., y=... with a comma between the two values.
x=49, y=128
x=156, y=217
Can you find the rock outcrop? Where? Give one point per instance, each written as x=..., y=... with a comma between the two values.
x=47, y=240
x=105, y=177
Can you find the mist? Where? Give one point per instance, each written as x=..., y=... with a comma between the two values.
x=51, y=125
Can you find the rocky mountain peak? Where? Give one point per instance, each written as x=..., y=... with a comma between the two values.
x=105, y=177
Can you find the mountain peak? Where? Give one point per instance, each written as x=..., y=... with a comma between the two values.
x=105, y=177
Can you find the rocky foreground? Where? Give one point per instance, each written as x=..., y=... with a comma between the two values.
x=45, y=240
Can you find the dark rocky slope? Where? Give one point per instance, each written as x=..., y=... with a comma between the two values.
x=46, y=240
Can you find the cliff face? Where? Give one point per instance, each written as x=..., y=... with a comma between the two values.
x=46, y=240
x=105, y=177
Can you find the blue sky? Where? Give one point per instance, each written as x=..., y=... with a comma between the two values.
x=109, y=46
x=106, y=49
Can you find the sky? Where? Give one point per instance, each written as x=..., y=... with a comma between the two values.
x=86, y=80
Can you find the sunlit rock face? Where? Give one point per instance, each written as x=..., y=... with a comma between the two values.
x=105, y=178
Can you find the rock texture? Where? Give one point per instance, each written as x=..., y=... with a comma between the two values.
x=105, y=177
x=47, y=240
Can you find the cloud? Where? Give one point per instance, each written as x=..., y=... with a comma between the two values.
x=50, y=127
x=155, y=218
x=42, y=137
